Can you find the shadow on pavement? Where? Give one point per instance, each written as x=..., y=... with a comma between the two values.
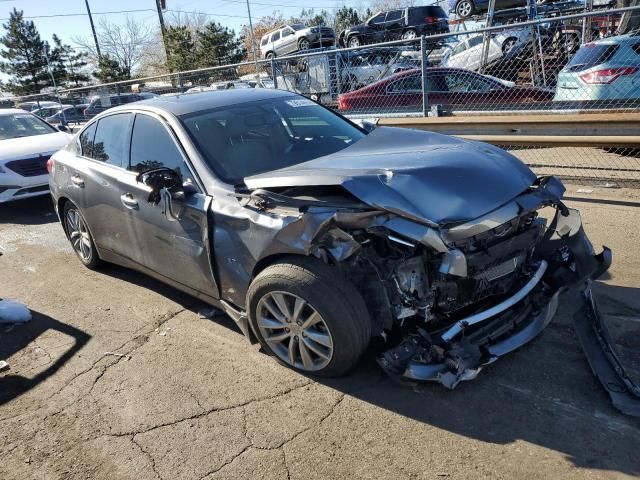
x=30, y=211
x=13, y=385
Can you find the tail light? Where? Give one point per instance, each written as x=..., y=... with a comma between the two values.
x=342, y=105
x=430, y=19
x=50, y=165
x=606, y=76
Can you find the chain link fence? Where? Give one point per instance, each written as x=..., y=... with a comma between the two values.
x=560, y=65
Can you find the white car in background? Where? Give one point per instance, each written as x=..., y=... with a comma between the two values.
x=467, y=53
x=26, y=143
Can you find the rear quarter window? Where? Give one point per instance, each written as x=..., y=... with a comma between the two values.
x=591, y=55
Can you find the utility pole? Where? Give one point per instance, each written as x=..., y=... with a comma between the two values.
x=253, y=44
x=160, y=5
x=93, y=29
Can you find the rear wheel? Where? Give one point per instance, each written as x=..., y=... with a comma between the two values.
x=409, y=34
x=80, y=237
x=309, y=316
x=270, y=55
x=464, y=8
x=508, y=45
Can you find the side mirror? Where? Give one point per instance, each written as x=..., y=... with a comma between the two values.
x=367, y=125
x=158, y=179
x=63, y=128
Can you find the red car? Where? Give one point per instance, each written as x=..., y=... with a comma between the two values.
x=449, y=87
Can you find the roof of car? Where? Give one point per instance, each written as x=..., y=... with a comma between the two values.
x=12, y=111
x=182, y=104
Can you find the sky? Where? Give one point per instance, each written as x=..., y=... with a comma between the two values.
x=231, y=13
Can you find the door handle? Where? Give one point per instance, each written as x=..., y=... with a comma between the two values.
x=128, y=201
x=77, y=180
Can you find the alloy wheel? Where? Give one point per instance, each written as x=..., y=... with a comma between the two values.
x=409, y=35
x=304, y=44
x=464, y=8
x=294, y=331
x=354, y=42
x=79, y=235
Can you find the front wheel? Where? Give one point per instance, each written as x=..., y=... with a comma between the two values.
x=354, y=42
x=309, y=316
x=464, y=8
x=304, y=44
x=80, y=237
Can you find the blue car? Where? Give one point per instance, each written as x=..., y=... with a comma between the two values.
x=607, y=69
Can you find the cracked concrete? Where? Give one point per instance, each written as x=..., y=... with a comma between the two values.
x=200, y=403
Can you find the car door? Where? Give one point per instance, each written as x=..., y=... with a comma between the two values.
x=469, y=90
x=393, y=25
x=177, y=248
x=375, y=32
x=405, y=93
x=95, y=178
x=288, y=41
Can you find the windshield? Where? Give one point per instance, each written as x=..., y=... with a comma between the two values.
x=251, y=138
x=591, y=55
x=22, y=125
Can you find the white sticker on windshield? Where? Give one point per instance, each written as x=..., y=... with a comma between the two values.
x=302, y=102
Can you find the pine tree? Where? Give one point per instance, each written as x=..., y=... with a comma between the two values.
x=217, y=45
x=68, y=66
x=345, y=18
x=109, y=70
x=181, y=49
x=23, y=53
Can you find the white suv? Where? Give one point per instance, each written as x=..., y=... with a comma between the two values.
x=293, y=38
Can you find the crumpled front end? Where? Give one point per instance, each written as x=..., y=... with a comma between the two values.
x=562, y=259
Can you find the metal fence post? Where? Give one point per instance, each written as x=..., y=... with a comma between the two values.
x=423, y=65
x=274, y=73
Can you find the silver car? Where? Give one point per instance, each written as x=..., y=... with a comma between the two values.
x=293, y=38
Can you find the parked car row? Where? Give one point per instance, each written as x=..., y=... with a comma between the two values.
x=605, y=71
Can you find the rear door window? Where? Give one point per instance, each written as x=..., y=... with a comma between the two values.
x=111, y=139
x=412, y=84
x=393, y=16
x=152, y=146
x=591, y=55
x=275, y=37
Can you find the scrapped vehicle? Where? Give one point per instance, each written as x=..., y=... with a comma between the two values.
x=100, y=103
x=26, y=143
x=37, y=104
x=505, y=45
x=404, y=23
x=295, y=37
x=361, y=68
x=70, y=114
x=316, y=236
x=452, y=88
x=45, y=112
x=607, y=69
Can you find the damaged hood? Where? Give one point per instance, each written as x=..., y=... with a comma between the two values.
x=423, y=175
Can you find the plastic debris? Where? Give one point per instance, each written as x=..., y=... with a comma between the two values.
x=3, y=366
x=584, y=190
x=12, y=311
x=607, y=185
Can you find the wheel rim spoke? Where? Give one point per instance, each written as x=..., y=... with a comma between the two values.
x=312, y=320
x=265, y=322
x=281, y=303
x=315, y=349
x=307, y=361
x=278, y=338
x=321, y=338
x=297, y=309
x=292, y=350
x=273, y=309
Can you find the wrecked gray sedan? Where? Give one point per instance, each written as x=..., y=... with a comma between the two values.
x=315, y=235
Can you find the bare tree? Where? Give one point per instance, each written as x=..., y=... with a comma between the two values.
x=126, y=43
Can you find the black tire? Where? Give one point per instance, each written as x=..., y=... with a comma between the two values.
x=270, y=55
x=354, y=41
x=508, y=45
x=92, y=260
x=331, y=295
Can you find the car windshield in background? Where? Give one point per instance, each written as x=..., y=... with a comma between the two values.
x=252, y=138
x=22, y=125
x=297, y=26
x=591, y=55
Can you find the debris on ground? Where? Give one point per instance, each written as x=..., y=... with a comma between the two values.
x=584, y=190
x=12, y=311
x=3, y=366
x=114, y=354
